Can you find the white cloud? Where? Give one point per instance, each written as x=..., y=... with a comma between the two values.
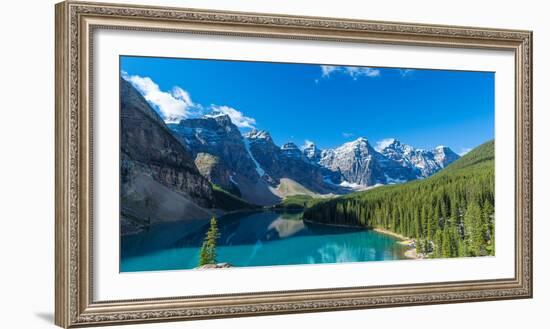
x=237, y=117
x=353, y=71
x=464, y=151
x=183, y=95
x=172, y=105
x=406, y=72
x=347, y=135
x=327, y=70
x=176, y=104
x=383, y=143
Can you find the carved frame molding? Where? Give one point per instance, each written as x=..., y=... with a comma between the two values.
x=75, y=24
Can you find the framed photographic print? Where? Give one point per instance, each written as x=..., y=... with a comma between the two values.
x=218, y=164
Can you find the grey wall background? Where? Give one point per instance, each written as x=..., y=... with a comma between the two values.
x=27, y=162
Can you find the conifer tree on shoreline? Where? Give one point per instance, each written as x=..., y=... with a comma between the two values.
x=208, y=250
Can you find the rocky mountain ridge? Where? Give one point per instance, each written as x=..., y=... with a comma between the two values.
x=423, y=163
x=222, y=156
x=251, y=165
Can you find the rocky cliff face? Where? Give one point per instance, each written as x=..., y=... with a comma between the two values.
x=219, y=138
x=423, y=163
x=311, y=152
x=356, y=161
x=159, y=180
x=222, y=156
x=360, y=163
x=444, y=156
x=287, y=162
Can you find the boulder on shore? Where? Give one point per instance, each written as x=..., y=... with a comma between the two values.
x=218, y=265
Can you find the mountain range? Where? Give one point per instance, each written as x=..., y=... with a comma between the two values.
x=199, y=167
x=253, y=167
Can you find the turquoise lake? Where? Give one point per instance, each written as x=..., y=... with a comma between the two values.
x=255, y=239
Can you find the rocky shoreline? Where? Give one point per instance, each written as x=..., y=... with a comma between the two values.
x=404, y=241
x=211, y=266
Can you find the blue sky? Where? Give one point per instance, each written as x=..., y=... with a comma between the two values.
x=328, y=105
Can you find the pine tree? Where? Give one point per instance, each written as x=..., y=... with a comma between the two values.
x=208, y=249
x=446, y=245
x=475, y=229
x=489, y=214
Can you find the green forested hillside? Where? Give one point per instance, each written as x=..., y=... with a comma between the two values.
x=449, y=214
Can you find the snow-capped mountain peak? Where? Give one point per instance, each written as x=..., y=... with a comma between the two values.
x=392, y=161
x=360, y=140
x=255, y=134
x=380, y=145
x=443, y=155
x=361, y=144
x=291, y=150
x=355, y=160
x=311, y=151
x=308, y=144
x=394, y=145
x=423, y=162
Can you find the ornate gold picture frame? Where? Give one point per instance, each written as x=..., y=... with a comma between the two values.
x=76, y=23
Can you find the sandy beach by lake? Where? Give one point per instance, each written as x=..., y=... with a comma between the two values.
x=403, y=240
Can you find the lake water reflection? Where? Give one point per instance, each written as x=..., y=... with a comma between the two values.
x=255, y=239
